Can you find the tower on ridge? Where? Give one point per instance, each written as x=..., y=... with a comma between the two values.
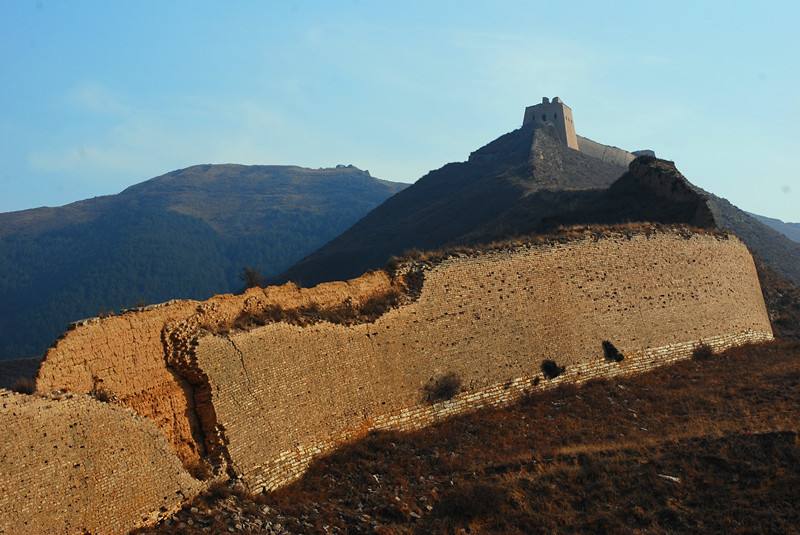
x=555, y=113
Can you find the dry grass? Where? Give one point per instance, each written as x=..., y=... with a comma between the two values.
x=590, y=459
x=702, y=446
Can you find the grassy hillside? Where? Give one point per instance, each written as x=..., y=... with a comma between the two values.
x=186, y=234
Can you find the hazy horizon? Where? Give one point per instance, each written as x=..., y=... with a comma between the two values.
x=106, y=95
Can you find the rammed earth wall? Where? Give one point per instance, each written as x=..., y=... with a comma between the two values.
x=284, y=393
x=76, y=465
x=261, y=402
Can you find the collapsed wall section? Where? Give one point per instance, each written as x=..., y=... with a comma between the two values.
x=285, y=392
x=76, y=465
x=135, y=359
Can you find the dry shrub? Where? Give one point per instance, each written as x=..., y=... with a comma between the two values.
x=551, y=370
x=442, y=388
x=252, y=278
x=24, y=385
x=99, y=392
x=611, y=352
x=702, y=351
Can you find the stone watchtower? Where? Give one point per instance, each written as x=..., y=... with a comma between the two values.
x=554, y=113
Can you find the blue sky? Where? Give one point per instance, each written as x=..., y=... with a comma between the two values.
x=99, y=95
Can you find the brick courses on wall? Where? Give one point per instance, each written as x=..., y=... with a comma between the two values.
x=263, y=402
x=76, y=465
x=284, y=393
x=126, y=355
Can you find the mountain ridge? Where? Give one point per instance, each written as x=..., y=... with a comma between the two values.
x=788, y=229
x=523, y=181
x=187, y=233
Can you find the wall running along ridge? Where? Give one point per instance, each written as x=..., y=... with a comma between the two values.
x=261, y=402
x=76, y=465
x=285, y=393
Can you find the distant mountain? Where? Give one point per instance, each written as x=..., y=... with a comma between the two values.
x=524, y=182
x=790, y=230
x=185, y=234
x=522, y=166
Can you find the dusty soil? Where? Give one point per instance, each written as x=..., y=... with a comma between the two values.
x=701, y=446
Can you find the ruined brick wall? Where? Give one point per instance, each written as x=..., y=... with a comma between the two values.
x=76, y=465
x=606, y=153
x=126, y=356
x=284, y=393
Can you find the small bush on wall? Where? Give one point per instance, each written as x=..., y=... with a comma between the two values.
x=442, y=388
x=611, y=352
x=551, y=370
x=702, y=351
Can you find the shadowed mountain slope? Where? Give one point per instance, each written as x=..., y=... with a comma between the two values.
x=527, y=181
x=790, y=230
x=776, y=250
x=185, y=234
x=455, y=200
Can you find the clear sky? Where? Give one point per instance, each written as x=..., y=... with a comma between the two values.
x=98, y=95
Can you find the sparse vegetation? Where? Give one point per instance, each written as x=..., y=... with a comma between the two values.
x=403, y=289
x=595, y=466
x=473, y=500
x=99, y=392
x=24, y=385
x=611, y=352
x=702, y=351
x=442, y=388
x=252, y=278
x=551, y=370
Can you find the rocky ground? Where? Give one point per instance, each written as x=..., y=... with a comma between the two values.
x=701, y=446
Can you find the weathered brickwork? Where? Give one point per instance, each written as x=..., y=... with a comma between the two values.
x=269, y=399
x=76, y=465
x=284, y=393
x=125, y=356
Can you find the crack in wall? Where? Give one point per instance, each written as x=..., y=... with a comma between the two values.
x=207, y=432
x=244, y=366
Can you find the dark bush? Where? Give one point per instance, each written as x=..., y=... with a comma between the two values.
x=99, y=392
x=24, y=385
x=551, y=370
x=702, y=351
x=442, y=388
x=252, y=278
x=611, y=352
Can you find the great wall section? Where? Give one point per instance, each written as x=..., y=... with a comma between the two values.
x=255, y=385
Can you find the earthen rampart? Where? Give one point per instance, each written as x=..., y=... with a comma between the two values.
x=258, y=384
x=284, y=392
x=76, y=465
x=125, y=357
